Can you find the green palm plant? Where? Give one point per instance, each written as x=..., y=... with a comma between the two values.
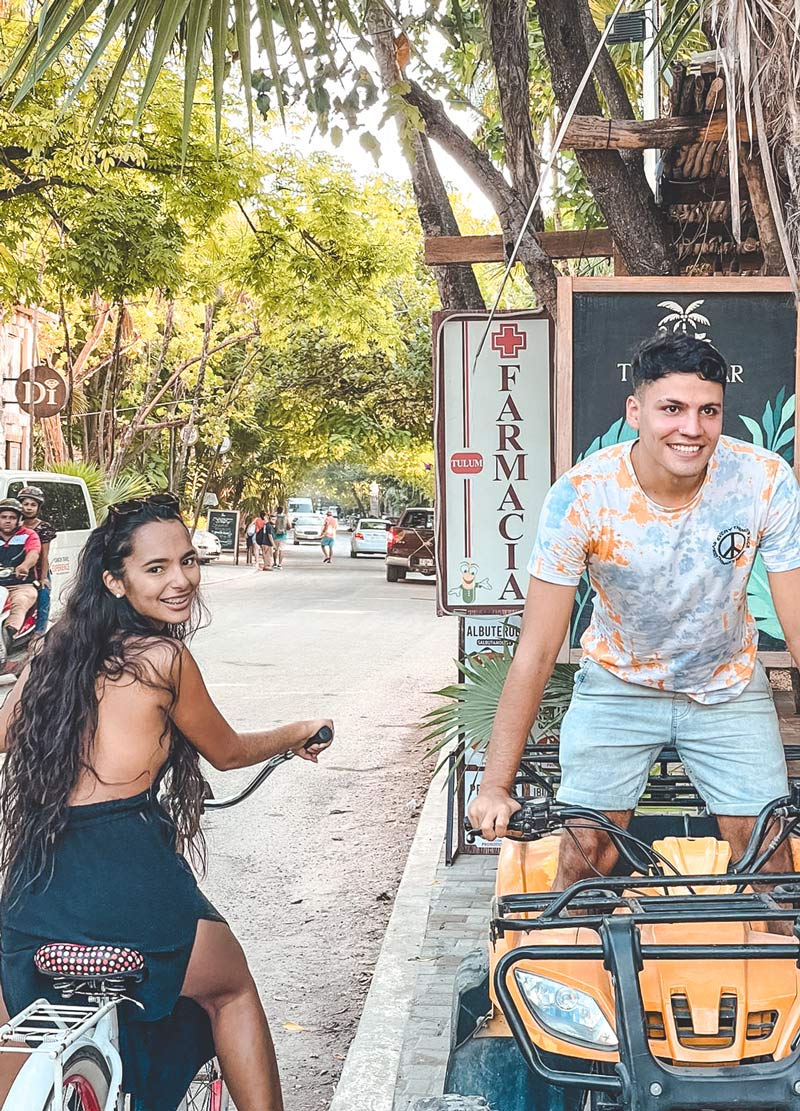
x=467, y=715
x=305, y=30
x=102, y=491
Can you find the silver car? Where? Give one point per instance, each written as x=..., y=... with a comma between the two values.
x=207, y=545
x=369, y=537
x=307, y=526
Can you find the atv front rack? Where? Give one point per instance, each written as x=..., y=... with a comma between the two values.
x=643, y=1082
x=589, y=902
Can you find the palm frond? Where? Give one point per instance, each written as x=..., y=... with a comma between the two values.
x=305, y=29
x=102, y=491
x=468, y=715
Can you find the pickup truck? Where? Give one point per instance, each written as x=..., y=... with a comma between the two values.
x=410, y=545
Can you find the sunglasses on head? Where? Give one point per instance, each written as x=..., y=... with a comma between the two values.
x=165, y=500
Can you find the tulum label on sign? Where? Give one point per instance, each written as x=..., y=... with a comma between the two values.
x=494, y=456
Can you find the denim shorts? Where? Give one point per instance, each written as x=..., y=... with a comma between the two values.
x=613, y=732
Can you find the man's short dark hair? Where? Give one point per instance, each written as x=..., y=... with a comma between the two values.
x=677, y=353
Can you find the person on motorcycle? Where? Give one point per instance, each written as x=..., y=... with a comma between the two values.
x=668, y=526
x=20, y=550
x=31, y=498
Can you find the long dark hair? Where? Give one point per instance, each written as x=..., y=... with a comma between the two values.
x=50, y=737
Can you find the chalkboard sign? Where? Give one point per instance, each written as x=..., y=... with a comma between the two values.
x=224, y=523
x=752, y=321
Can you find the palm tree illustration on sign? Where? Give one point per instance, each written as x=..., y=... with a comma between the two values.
x=681, y=319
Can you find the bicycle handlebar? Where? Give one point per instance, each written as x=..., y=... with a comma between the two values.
x=321, y=737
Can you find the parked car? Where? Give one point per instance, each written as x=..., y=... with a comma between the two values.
x=206, y=545
x=307, y=527
x=69, y=509
x=369, y=537
x=410, y=545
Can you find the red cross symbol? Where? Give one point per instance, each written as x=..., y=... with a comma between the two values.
x=509, y=341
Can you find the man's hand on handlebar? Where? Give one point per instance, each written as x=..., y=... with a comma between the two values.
x=318, y=736
x=490, y=811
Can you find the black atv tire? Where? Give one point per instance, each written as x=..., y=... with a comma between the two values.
x=450, y=1103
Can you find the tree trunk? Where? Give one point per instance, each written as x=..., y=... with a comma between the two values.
x=138, y=419
x=55, y=448
x=613, y=91
x=774, y=262
x=507, y=25
x=80, y=371
x=457, y=284
x=183, y=455
x=104, y=438
x=639, y=229
x=502, y=196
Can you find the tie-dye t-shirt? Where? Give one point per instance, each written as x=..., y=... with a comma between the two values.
x=671, y=584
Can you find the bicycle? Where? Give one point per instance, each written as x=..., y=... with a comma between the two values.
x=74, y=1047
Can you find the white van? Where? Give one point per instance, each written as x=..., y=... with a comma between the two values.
x=68, y=508
x=296, y=506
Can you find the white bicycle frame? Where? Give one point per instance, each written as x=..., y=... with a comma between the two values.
x=47, y=1031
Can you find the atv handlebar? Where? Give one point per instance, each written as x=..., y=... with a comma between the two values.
x=541, y=815
x=323, y=736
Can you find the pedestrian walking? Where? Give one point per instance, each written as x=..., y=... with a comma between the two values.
x=101, y=794
x=31, y=498
x=328, y=535
x=279, y=536
x=251, y=553
x=264, y=534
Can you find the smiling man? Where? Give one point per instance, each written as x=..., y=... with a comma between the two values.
x=668, y=527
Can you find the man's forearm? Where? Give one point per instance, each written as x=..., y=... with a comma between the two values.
x=516, y=712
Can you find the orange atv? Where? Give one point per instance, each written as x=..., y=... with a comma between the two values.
x=660, y=988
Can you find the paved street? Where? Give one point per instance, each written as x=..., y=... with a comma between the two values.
x=307, y=868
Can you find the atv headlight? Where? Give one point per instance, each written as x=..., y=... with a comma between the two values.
x=565, y=1011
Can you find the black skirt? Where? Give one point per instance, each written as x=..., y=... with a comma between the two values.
x=117, y=879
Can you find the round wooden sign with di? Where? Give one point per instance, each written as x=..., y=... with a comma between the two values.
x=43, y=387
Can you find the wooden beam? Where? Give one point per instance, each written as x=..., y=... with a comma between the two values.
x=594, y=133
x=589, y=243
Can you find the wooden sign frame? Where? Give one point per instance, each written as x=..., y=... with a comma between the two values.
x=568, y=286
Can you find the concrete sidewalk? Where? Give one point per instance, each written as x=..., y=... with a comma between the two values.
x=402, y=1043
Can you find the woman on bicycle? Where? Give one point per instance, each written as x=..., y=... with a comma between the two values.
x=102, y=792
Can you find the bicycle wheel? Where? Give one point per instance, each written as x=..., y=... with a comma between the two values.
x=87, y=1079
x=207, y=1092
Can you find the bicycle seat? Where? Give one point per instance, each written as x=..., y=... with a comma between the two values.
x=63, y=960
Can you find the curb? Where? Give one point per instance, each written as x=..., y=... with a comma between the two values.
x=369, y=1075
